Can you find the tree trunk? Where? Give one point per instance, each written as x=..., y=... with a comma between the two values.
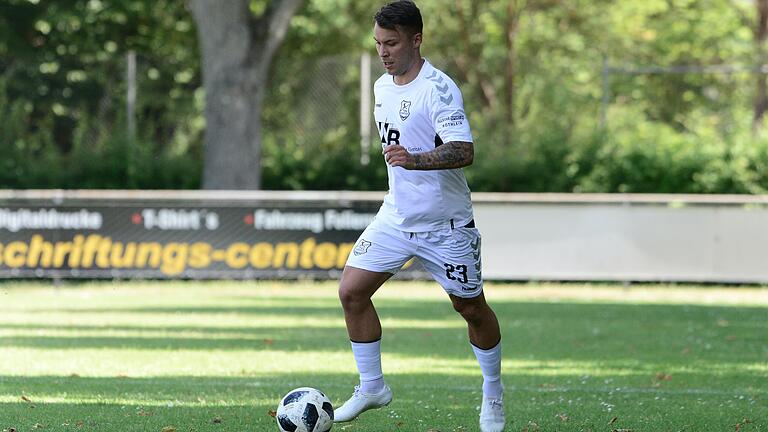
x=761, y=34
x=237, y=49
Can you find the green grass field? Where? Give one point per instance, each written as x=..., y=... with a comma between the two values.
x=218, y=356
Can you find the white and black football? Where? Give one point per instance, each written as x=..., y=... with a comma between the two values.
x=305, y=409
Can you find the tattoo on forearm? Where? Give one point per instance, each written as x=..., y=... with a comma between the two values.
x=454, y=154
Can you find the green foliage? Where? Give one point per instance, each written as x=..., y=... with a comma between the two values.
x=103, y=159
x=534, y=96
x=63, y=95
x=29, y=156
x=329, y=167
x=98, y=158
x=640, y=156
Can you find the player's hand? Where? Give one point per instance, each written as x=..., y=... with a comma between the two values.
x=397, y=155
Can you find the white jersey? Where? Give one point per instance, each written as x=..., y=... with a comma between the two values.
x=421, y=116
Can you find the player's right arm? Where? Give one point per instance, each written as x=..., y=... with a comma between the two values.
x=451, y=155
x=453, y=148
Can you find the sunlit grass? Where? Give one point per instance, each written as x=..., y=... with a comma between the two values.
x=217, y=356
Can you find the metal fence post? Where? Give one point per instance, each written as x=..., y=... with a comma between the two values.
x=365, y=108
x=606, y=92
x=130, y=97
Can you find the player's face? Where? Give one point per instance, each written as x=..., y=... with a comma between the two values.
x=398, y=51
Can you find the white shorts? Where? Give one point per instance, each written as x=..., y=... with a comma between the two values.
x=451, y=255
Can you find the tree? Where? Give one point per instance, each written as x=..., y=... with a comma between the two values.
x=237, y=47
x=761, y=35
x=62, y=71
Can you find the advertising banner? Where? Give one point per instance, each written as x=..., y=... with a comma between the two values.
x=180, y=239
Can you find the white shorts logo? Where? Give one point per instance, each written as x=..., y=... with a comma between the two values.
x=362, y=247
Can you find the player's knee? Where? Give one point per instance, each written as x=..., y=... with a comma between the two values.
x=345, y=295
x=350, y=298
x=469, y=311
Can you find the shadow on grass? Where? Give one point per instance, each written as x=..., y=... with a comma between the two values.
x=421, y=309
x=675, y=334
x=422, y=401
x=216, y=403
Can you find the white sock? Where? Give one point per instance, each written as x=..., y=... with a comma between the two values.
x=490, y=365
x=368, y=359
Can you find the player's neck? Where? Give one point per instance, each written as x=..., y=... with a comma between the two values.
x=411, y=74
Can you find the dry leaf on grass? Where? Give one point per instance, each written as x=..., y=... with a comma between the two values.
x=272, y=413
x=660, y=377
x=742, y=423
x=26, y=399
x=613, y=420
x=532, y=427
x=168, y=429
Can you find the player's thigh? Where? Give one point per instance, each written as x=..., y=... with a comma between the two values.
x=381, y=249
x=358, y=284
x=452, y=257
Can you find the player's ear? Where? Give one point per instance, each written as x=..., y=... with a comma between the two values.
x=417, y=40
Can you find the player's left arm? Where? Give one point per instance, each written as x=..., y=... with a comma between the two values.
x=453, y=154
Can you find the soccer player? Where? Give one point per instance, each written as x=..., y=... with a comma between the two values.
x=427, y=213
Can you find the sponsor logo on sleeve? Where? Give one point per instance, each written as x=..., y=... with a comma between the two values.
x=451, y=121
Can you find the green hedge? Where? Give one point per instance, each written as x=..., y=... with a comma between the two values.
x=549, y=154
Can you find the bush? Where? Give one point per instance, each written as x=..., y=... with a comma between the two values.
x=100, y=157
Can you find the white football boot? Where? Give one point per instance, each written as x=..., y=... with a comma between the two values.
x=492, y=415
x=361, y=402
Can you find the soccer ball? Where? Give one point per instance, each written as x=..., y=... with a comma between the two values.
x=305, y=410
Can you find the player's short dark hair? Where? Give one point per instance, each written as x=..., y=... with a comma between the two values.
x=401, y=13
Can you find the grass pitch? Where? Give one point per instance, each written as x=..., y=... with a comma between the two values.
x=218, y=356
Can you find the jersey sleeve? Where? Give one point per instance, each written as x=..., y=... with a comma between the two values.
x=448, y=116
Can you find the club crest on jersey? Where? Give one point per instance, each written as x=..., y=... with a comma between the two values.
x=405, y=109
x=362, y=247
